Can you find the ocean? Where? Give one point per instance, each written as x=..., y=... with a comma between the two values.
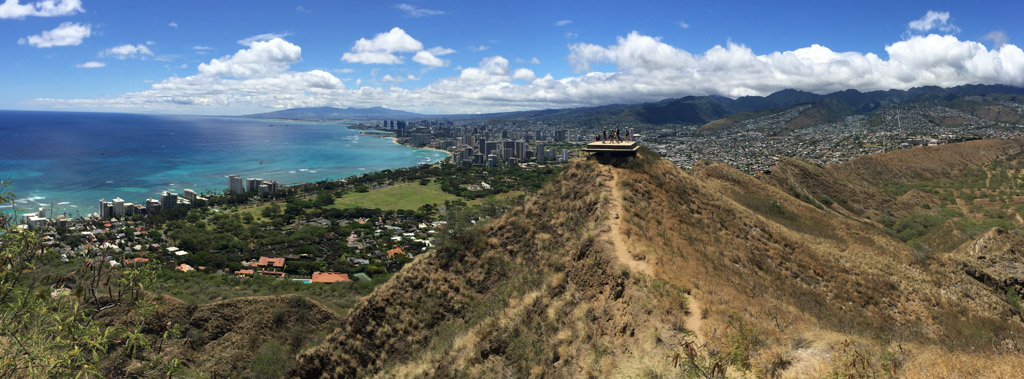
x=69, y=161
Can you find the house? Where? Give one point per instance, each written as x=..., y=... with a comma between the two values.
x=245, y=272
x=396, y=250
x=136, y=260
x=329, y=277
x=184, y=267
x=270, y=262
x=271, y=273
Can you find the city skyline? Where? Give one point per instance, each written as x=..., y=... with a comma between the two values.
x=447, y=57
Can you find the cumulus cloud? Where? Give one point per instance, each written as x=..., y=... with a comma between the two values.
x=91, y=64
x=45, y=8
x=412, y=11
x=261, y=37
x=439, y=51
x=636, y=68
x=258, y=74
x=563, y=22
x=384, y=48
x=67, y=34
x=173, y=24
x=126, y=51
x=998, y=38
x=427, y=59
x=524, y=74
x=683, y=25
x=933, y=21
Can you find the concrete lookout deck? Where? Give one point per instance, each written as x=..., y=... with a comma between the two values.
x=613, y=149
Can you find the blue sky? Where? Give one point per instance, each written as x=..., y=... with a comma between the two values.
x=231, y=57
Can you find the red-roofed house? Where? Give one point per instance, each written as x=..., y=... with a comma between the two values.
x=329, y=277
x=245, y=272
x=270, y=262
x=396, y=250
x=184, y=267
x=136, y=260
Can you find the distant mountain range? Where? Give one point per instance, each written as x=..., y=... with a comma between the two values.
x=692, y=110
x=331, y=113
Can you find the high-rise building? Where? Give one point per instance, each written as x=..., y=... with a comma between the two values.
x=190, y=195
x=106, y=209
x=565, y=155
x=541, y=154
x=253, y=184
x=483, y=145
x=153, y=206
x=560, y=135
x=235, y=185
x=169, y=200
x=118, y=207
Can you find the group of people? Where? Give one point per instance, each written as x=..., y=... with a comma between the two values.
x=615, y=136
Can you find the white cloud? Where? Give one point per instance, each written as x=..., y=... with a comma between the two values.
x=261, y=59
x=392, y=79
x=439, y=51
x=479, y=48
x=45, y=8
x=126, y=51
x=173, y=24
x=636, y=68
x=412, y=11
x=427, y=59
x=67, y=34
x=933, y=20
x=384, y=47
x=92, y=64
x=524, y=74
x=412, y=77
x=302, y=9
x=343, y=70
x=262, y=37
x=683, y=25
x=563, y=22
x=534, y=60
x=998, y=38
x=571, y=35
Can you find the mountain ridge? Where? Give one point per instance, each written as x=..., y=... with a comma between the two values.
x=615, y=270
x=693, y=110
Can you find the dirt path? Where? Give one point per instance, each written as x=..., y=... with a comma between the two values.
x=619, y=244
x=693, y=321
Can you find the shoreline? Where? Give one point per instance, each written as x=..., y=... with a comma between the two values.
x=395, y=141
x=79, y=209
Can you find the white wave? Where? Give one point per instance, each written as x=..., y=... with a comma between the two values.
x=64, y=203
x=109, y=181
x=291, y=172
x=362, y=169
x=303, y=169
x=312, y=171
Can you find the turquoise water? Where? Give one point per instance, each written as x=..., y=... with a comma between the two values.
x=307, y=281
x=68, y=161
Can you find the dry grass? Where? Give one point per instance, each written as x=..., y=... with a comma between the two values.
x=794, y=279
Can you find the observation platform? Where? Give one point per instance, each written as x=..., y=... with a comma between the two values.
x=613, y=149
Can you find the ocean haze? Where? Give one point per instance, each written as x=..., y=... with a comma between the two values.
x=71, y=160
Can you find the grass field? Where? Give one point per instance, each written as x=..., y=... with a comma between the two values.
x=400, y=196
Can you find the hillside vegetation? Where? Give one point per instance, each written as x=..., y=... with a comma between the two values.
x=641, y=269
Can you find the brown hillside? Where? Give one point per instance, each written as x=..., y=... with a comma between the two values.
x=220, y=339
x=647, y=270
